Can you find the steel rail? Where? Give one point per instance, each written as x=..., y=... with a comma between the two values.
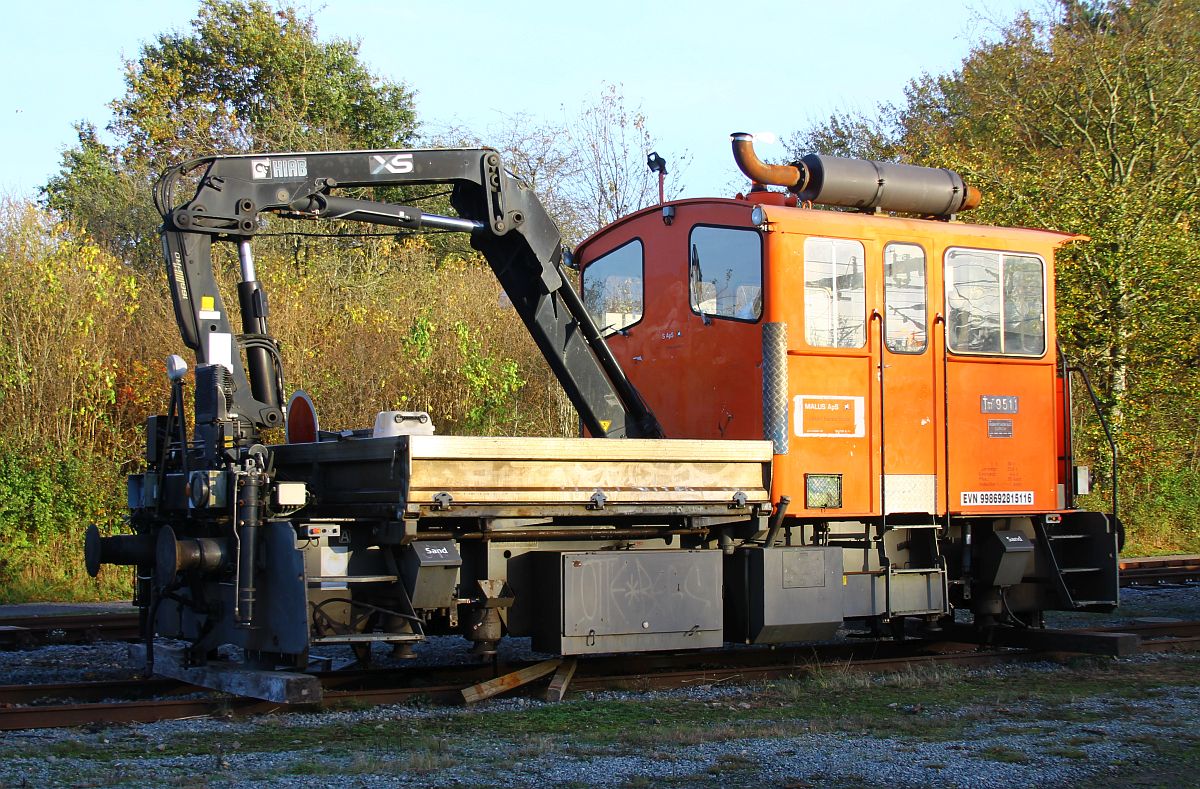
x=19, y=710
x=32, y=630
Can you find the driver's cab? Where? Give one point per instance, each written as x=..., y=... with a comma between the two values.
x=919, y=354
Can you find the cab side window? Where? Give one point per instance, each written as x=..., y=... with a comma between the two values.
x=995, y=303
x=905, y=317
x=834, y=293
x=1024, y=310
x=725, y=272
x=613, y=288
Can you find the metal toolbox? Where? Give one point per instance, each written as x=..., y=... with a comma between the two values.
x=628, y=601
x=773, y=595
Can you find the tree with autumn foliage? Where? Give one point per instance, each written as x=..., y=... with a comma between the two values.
x=245, y=77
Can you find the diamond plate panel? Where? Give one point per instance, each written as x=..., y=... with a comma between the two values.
x=775, y=386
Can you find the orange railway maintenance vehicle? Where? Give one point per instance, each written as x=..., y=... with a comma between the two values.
x=796, y=419
x=905, y=369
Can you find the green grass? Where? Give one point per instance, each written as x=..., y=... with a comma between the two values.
x=1176, y=762
x=54, y=572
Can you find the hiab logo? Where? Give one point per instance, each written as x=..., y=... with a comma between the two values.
x=278, y=168
x=398, y=164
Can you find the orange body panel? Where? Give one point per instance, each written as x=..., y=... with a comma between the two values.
x=926, y=431
x=698, y=377
x=1027, y=461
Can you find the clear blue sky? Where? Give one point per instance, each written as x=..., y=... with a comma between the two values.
x=698, y=69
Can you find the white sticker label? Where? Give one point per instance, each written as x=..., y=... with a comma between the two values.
x=220, y=349
x=829, y=416
x=996, y=498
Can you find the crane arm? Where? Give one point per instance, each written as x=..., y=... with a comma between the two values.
x=506, y=222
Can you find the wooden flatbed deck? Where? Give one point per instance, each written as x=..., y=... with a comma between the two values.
x=522, y=477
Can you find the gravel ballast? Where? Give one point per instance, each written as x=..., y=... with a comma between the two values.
x=1097, y=733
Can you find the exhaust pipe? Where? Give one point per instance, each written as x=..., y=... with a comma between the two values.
x=860, y=183
x=758, y=171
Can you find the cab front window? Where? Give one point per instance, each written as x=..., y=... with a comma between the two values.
x=725, y=272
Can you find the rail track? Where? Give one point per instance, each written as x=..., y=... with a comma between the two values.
x=1159, y=570
x=147, y=701
x=27, y=631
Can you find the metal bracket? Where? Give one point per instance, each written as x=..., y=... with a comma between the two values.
x=596, y=502
x=442, y=500
x=739, y=501
x=496, y=593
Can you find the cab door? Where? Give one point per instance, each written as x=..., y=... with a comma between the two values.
x=1000, y=382
x=908, y=377
x=832, y=465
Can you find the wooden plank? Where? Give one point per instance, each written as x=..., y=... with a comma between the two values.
x=283, y=687
x=1082, y=641
x=666, y=476
x=562, y=678
x=560, y=480
x=485, y=690
x=562, y=449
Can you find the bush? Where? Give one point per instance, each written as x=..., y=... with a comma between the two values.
x=48, y=496
x=1160, y=510
x=366, y=325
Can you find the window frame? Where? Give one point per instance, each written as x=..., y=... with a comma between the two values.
x=925, y=315
x=762, y=285
x=1003, y=253
x=866, y=293
x=604, y=332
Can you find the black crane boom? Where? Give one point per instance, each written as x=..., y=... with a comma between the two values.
x=506, y=222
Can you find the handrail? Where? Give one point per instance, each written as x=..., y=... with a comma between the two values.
x=876, y=315
x=1068, y=456
x=1112, y=444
